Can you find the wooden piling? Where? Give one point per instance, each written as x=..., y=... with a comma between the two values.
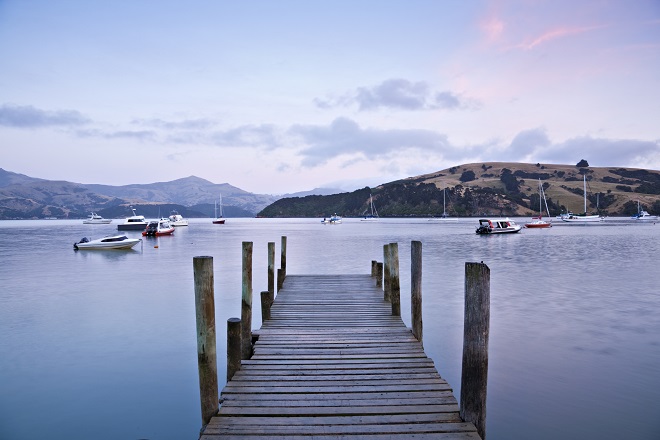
x=267, y=299
x=246, y=304
x=271, y=266
x=395, y=287
x=234, y=347
x=416, y=289
x=379, y=274
x=280, y=279
x=373, y=268
x=474, y=375
x=283, y=258
x=206, y=344
x=387, y=287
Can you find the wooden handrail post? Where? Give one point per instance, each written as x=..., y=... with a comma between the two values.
x=246, y=303
x=234, y=346
x=379, y=275
x=283, y=257
x=271, y=266
x=387, y=285
x=266, y=302
x=395, y=295
x=416, y=289
x=207, y=361
x=280, y=279
x=474, y=375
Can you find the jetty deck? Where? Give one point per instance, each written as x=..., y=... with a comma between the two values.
x=333, y=363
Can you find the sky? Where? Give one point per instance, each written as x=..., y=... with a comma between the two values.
x=282, y=96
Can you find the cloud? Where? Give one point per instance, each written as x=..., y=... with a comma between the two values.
x=399, y=94
x=264, y=135
x=603, y=152
x=141, y=135
x=186, y=124
x=554, y=34
x=345, y=137
x=394, y=93
x=31, y=117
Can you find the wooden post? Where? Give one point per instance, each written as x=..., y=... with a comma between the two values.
x=234, y=346
x=379, y=275
x=373, y=268
x=387, y=288
x=271, y=266
x=280, y=279
x=395, y=294
x=283, y=258
x=246, y=304
x=207, y=361
x=416, y=288
x=474, y=375
x=266, y=302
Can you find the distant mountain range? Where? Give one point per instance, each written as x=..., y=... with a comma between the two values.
x=24, y=197
x=492, y=188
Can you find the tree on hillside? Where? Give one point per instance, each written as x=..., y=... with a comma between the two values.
x=583, y=163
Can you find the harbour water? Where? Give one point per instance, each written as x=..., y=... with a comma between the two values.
x=101, y=344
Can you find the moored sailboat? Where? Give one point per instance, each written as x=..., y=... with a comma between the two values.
x=373, y=215
x=538, y=222
x=584, y=218
x=219, y=219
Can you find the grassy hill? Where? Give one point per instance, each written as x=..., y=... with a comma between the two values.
x=491, y=188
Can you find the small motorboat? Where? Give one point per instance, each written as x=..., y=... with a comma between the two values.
x=133, y=223
x=177, y=219
x=109, y=242
x=497, y=226
x=334, y=220
x=158, y=227
x=95, y=219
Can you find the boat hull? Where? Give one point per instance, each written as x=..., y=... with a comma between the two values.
x=97, y=222
x=132, y=226
x=107, y=243
x=583, y=219
x=219, y=221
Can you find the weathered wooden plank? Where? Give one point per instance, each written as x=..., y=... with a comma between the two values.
x=339, y=420
x=336, y=410
x=381, y=428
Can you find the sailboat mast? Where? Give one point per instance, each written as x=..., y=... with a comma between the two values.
x=584, y=180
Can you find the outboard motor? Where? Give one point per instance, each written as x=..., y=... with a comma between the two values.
x=82, y=240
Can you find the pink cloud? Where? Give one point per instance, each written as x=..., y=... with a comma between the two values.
x=493, y=27
x=555, y=34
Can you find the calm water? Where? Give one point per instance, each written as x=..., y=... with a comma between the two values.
x=101, y=345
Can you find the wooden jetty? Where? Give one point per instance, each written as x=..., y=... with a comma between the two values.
x=333, y=361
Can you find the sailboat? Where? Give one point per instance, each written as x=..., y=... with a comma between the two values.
x=218, y=220
x=584, y=218
x=538, y=222
x=444, y=216
x=373, y=216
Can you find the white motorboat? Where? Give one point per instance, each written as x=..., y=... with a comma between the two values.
x=133, y=223
x=177, y=219
x=334, y=220
x=497, y=226
x=109, y=242
x=643, y=215
x=584, y=218
x=158, y=227
x=95, y=219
